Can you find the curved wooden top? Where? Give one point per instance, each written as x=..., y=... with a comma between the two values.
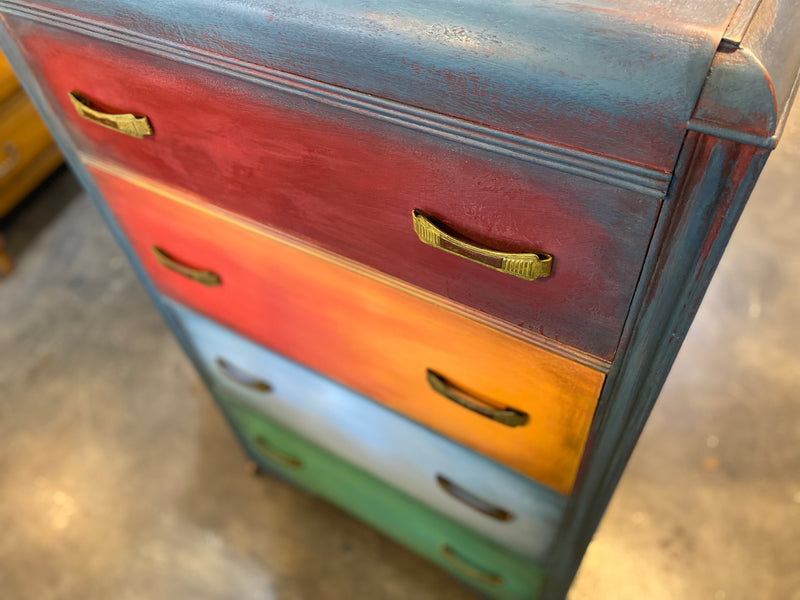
x=617, y=78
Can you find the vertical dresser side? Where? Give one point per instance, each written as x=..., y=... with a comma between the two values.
x=737, y=121
x=713, y=180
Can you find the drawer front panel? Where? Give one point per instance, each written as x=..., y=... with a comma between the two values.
x=500, y=504
x=349, y=184
x=8, y=82
x=366, y=335
x=23, y=137
x=480, y=563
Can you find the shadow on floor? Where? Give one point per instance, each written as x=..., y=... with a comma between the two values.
x=22, y=226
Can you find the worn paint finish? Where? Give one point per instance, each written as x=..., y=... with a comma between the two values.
x=371, y=437
x=671, y=288
x=751, y=84
x=713, y=181
x=577, y=73
x=349, y=184
x=384, y=508
x=368, y=336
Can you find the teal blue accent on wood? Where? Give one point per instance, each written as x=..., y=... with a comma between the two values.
x=389, y=446
x=384, y=508
x=714, y=178
x=753, y=78
x=593, y=75
x=648, y=102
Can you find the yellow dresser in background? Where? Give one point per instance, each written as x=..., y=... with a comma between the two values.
x=27, y=152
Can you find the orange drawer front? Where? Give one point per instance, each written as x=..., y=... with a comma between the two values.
x=510, y=400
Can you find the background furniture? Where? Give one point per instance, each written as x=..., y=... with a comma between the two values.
x=27, y=153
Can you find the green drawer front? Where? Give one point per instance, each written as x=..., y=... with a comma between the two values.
x=490, y=569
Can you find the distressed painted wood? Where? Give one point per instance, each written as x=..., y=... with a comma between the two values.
x=396, y=515
x=713, y=179
x=350, y=183
x=753, y=78
x=368, y=336
x=615, y=77
x=711, y=182
x=372, y=437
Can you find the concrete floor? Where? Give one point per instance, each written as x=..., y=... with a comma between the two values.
x=118, y=478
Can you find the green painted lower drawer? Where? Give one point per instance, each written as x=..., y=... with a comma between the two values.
x=480, y=563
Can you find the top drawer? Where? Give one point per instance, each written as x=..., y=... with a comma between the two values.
x=349, y=183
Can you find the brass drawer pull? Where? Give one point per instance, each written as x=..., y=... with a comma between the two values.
x=473, y=501
x=525, y=265
x=208, y=278
x=126, y=123
x=467, y=569
x=241, y=377
x=267, y=450
x=11, y=160
x=507, y=416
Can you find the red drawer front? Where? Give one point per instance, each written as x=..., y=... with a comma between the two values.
x=349, y=183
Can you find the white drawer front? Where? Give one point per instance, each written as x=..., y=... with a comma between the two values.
x=466, y=486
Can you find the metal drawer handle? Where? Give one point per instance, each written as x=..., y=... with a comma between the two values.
x=473, y=501
x=241, y=377
x=507, y=416
x=267, y=450
x=208, y=278
x=126, y=123
x=11, y=160
x=467, y=569
x=525, y=265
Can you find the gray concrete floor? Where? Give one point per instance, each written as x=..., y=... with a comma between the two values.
x=118, y=478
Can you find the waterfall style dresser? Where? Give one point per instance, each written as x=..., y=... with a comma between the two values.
x=433, y=259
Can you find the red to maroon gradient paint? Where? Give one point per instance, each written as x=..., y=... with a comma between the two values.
x=348, y=183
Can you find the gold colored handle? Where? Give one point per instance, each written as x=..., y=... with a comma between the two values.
x=11, y=160
x=473, y=501
x=267, y=450
x=467, y=569
x=126, y=123
x=208, y=278
x=506, y=416
x=525, y=265
x=241, y=377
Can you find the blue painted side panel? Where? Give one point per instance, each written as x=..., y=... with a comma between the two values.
x=383, y=443
x=614, y=77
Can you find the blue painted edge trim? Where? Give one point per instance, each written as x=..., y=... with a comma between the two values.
x=726, y=133
x=672, y=286
x=575, y=162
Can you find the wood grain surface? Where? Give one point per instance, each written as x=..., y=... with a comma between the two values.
x=618, y=78
x=349, y=184
x=368, y=336
x=384, y=508
x=375, y=439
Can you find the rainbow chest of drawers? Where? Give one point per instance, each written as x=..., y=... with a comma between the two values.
x=433, y=259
